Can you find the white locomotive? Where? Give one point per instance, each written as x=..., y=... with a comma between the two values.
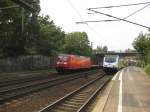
x=111, y=63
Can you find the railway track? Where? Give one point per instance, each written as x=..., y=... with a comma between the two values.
x=78, y=100
x=23, y=80
x=12, y=91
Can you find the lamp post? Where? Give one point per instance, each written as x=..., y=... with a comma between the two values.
x=22, y=20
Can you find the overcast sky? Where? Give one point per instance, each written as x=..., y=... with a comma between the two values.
x=116, y=35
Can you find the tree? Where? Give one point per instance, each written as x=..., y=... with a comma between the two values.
x=10, y=29
x=101, y=49
x=51, y=37
x=142, y=45
x=105, y=49
x=40, y=34
x=77, y=43
x=32, y=5
x=13, y=41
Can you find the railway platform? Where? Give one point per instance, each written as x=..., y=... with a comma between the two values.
x=128, y=91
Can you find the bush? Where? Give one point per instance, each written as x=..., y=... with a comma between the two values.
x=147, y=69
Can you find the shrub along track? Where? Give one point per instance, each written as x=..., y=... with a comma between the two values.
x=11, y=90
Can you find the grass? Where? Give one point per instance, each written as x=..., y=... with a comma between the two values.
x=147, y=69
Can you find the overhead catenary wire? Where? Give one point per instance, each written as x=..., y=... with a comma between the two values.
x=119, y=18
x=84, y=22
x=71, y=4
x=136, y=11
x=121, y=5
x=109, y=20
x=91, y=28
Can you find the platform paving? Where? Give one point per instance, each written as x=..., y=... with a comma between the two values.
x=129, y=92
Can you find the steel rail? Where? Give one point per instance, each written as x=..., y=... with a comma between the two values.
x=13, y=80
x=23, y=91
x=22, y=80
x=53, y=105
x=30, y=83
x=36, y=83
x=87, y=103
x=27, y=79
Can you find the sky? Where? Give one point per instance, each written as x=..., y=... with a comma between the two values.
x=116, y=35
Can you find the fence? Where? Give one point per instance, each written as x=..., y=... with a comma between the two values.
x=27, y=63
x=34, y=62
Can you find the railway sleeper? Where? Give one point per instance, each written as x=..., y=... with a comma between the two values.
x=73, y=102
x=70, y=105
x=84, y=93
x=76, y=100
x=80, y=97
x=65, y=109
x=88, y=91
x=56, y=110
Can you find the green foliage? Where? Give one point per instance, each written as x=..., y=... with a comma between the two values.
x=51, y=37
x=142, y=45
x=122, y=63
x=10, y=33
x=77, y=43
x=32, y=5
x=40, y=35
x=147, y=69
x=100, y=49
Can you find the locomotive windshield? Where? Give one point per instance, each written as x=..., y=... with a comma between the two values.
x=63, y=57
x=110, y=58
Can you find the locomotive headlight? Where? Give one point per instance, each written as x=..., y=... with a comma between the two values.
x=65, y=63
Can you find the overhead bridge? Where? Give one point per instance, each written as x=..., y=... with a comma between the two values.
x=122, y=54
x=98, y=58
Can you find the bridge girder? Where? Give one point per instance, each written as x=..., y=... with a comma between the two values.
x=118, y=53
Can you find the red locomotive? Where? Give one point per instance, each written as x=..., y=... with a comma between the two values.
x=67, y=62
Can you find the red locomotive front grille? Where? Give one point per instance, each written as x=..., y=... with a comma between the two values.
x=62, y=62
